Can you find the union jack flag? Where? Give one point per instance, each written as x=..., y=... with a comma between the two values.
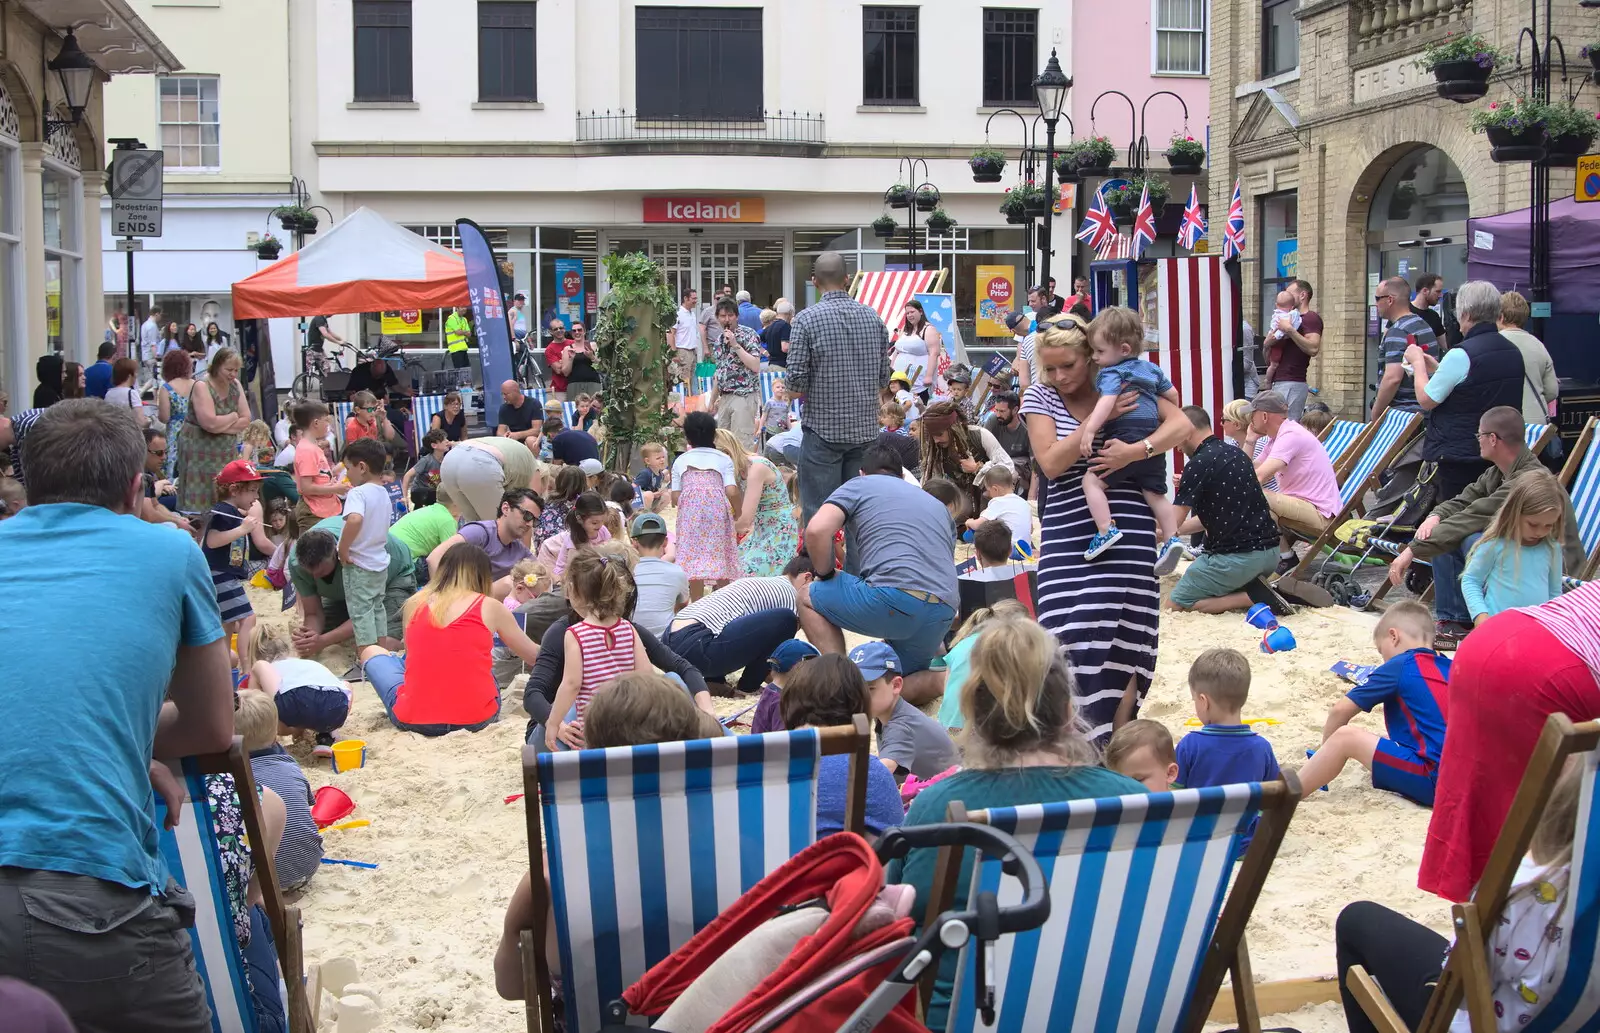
x=1233, y=235
x=1098, y=225
x=1144, y=224
x=1193, y=226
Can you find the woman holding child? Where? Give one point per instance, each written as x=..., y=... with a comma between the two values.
x=1104, y=611
x=218, y=414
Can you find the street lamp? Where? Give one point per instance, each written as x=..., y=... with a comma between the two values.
x=1050, y=90
x=76, y=71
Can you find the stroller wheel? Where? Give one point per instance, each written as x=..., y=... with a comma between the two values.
x=1339, y=586
x=1418, y=579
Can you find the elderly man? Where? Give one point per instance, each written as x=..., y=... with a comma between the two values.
x=749, y=312
x=1406, y=328
x=1456, y=524
x=1308, y=492
x=1485, y=370
x=521, y=418
x=737, y=351
x=776, y=335
x=318, y=580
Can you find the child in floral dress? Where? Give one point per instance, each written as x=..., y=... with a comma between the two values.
x=707, y=493
x=766, y=523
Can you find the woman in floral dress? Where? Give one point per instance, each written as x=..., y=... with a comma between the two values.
x=218, y=413
x=707, y=497
x=172, y=404
x=765, y=525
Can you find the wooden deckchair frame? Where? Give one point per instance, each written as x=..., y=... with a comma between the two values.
x=1358, y=445
x=1466, y=974
x=852, y=739
x=284, y=920
x=1227, y=954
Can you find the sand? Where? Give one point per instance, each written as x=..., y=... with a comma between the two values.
x=422, y=927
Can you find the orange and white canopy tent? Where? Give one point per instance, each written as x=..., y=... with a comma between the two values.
x=363, y=264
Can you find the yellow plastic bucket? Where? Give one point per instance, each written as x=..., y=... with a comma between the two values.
x=349, y=755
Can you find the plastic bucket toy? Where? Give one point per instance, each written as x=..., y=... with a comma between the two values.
x=1278, y=640
x=1260, y=616
x=349, y=755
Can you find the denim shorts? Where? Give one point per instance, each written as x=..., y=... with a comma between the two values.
x=311, y=706
x=912, y=627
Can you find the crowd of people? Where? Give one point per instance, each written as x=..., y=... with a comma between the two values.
x=630, y=602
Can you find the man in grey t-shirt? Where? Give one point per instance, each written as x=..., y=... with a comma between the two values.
x=906, y=593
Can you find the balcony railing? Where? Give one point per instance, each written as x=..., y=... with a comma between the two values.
x=782, y=127
x=1380, y=23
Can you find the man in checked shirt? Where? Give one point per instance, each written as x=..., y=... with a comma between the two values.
x=838, y=359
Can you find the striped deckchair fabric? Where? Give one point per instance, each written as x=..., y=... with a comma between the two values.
x=423, y=410
x=1393, y=426
x=647, y=844
x=1581, y=476
x=768, y=376
x=1537, y=435
x=341, y=413
x=886, y=293
x=569, y=414
x=1137, y=884
x=1339, y=436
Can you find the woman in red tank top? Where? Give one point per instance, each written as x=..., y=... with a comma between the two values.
x=445, y=680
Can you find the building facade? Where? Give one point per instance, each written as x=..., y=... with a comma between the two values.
x=222, y=124
x=1352, y=168
x=52, y=177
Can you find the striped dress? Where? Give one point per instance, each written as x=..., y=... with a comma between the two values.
x=1105, y=613
x=607, y=651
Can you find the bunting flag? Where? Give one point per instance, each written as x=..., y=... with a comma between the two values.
x=1193, y=226
x=1233, y=234
x=1144, y=224
x=1098, y=226
x=1115, y=246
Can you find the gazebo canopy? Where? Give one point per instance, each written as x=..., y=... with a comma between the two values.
x=363, y=264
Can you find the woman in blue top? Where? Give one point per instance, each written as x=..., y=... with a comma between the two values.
x=1023, y=744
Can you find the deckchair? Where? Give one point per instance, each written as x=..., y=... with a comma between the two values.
x=648, y=844
x=1581, y=477
x=423, y=409
x=191, y=855
x=1134, y=939
x=1573, y=996
x=1339, y=437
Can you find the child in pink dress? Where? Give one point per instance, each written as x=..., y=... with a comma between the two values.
x=599, y=647
x=707, y=495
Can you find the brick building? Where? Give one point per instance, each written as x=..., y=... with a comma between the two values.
x=1353, y=168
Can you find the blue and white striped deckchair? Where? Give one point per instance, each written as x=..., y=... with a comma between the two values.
x=1384, y=445
x=703, y=385
x=1581, y=477
x=768, y=378
x=647, y=844
x=1571, y=994
x=1137, y=883
x=1537, y=435
x=341, y=413
x=423, y=409
x=192, y=857
x=1339, y=436
x=569, y=414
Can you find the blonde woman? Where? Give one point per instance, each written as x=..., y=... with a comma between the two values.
x=219, y=412
x=1236, y=430
x=765, y=525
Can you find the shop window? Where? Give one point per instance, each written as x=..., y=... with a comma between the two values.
x=1280, y=37
x=1010, y=55
x=506, y=50
x=1180, y=27
x=889, y=55
x=63, y=259
x=191, y=123
x=383, y=50
x=698, y=63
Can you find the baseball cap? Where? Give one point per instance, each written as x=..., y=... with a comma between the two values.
x=902, y=376
x=1269, y=401
x=1015, y=320
x=519, y=297
x=875, y=659
x=239, y=471
x=958, y=374
x=590, y=467
x=789, y=652
x=647, y=523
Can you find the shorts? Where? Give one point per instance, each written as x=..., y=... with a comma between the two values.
x=1213, y=575
x=364, y=600
x=314, y=707
x=231, y=598
x=1398, y=769
x=1145, y=474
x=913, y=627
x=1296, y=514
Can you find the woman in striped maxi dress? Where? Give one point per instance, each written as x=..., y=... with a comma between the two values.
x=1105, y=613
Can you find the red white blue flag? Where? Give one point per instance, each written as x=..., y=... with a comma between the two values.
x=1098, y=226
x=1144, y=224
x=1193, y=226
x=1233, y=235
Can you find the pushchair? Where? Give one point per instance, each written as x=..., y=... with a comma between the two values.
x=821, y=944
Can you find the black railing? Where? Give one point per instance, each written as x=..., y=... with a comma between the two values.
x=800, y=127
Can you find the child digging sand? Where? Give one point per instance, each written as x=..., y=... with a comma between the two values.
x=909, y=741
x=310, y=698
x=1142, y=750
x=788, y=655
x=299, y=853
x=599, y=647
x=1117, y=338
x=362, y=544
x=1412, y=685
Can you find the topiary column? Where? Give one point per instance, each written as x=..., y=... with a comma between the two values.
x=633, y=356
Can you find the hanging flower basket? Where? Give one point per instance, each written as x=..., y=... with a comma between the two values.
x=898, y=196
x=294, y=218
x=1067, y=163
x=987, y=164
x=1123, y=202
x=1511, y=145
x=1516, y=129
x=1571, y=133
x=1025, y=201
x=1095, y=156
x=268, y=247
x=1462, y=81
x=1461, y=64
x=940, y=222
x=926, y=198
x=884, y=226
x=1185, y=154
x=1592, y=52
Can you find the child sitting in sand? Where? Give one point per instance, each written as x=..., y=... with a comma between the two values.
x=600, y=646
x=909, y=741
x=586, y=525
x=1117, y=339
x=1224, y=750
x=299, y=852
x=995, y=552
x=788, y=655
x=654, y=482
x=999, y=485
x=1412, y=685
x=530, y=580
x=310, y=698
x=1143, y=750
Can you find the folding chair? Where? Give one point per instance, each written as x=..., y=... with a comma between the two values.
x=569, y=414
x=191, y=855
x=1340, y=436
x=1581, y=477
x=1572, y=1000
x=341, y=415
x=423, y=409
x=648, y=844
x=1134, y=939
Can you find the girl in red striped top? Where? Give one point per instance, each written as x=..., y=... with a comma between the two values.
x=599, y=647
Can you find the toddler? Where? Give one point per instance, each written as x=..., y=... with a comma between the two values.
x=1143, y=751
x=892, y=418
x=320, y=494
x=1224, y=750
x=663, y=587
x=775, y=414
x=310, y=698
x=13, y=499
x=395, y=490
x=530, y=579
x=1117, y=338
x=901, y=393
x=1517, y=562
x=299, y=852
x=708, y=494
x=999, y=484
x=785, y=658
x=654, y=482
x=1412, y=685
x=909, y=741
x=363, y=550
x=599, y=646
x=256, y=444
x=232, y=526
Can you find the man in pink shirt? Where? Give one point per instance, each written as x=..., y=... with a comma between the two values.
x=1308, y=493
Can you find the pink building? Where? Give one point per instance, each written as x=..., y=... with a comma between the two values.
x=1141, y=47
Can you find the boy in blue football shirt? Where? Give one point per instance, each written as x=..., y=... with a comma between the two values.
x=1411, y=683
x=1224, y=750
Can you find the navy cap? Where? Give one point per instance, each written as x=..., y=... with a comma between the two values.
x=789, y=653
x=875, y=659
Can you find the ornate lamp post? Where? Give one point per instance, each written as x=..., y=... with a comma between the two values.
x=1050, y=91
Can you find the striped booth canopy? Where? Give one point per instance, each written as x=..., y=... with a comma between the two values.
x=886, y=293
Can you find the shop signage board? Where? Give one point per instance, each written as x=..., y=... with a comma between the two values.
x=1587, y=185
x=136, y=193
x=997, y=298
x=569, y=290
x=688, y=211
x=396, y=323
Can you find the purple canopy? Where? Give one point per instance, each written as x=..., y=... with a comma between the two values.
x=1574, y=253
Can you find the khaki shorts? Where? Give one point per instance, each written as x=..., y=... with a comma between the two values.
x=738, y=414
x=1296, y=513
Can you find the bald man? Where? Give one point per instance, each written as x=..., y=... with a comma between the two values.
x=521, y=418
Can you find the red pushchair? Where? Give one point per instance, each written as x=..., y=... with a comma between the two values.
x=814, y=946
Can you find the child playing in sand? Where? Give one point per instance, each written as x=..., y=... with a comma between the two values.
x=320, y=495
x=363, y=553
x=958, y=660
x=1117, y=339
x=1412, y=685
x=999, y=485
x=299, y=853
x=654, y=482
x=784, y=659
x=586, y=525
x=1517, y=562
x=1224, y=750
x=909, y=741
x=599, y=646
x=530, y=579
x=310, y=698
x=230, y=528
x=1142, y=750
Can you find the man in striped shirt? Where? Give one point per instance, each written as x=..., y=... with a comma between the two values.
x=12, y=430
x=738, y=626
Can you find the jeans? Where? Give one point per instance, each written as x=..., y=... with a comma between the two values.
x=823, y=467
x=1448, y=604
x=744, y=644
x=261, y=964
x=386, y=673
x=1402, y=956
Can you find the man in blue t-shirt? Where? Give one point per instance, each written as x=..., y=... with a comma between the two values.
x=97, y=378
x=78, y=835
x=1412, y=684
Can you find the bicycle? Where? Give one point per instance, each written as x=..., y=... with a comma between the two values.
x=315, y=367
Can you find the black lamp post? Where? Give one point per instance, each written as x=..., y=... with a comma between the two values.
x=1050, y=91
x=1539, y=174
x=76, y=70
x=907, y=173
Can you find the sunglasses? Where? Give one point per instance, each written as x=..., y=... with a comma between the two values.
x=529, y=517
x=156, y=451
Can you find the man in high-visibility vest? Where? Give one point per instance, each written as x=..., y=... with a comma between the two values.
x=457, y=330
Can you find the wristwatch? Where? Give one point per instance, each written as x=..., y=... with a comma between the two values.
x=1148, y=449
x=832, y=570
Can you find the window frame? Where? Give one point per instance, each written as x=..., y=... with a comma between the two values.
x=1204, y=32
x=1267, y=71
x=162, y=123
x=915, y=33
x=391, y=97
x=679, y=95
x=1027, y=98
x=532, y=51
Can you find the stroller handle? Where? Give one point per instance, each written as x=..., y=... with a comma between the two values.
x=1015, y=860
